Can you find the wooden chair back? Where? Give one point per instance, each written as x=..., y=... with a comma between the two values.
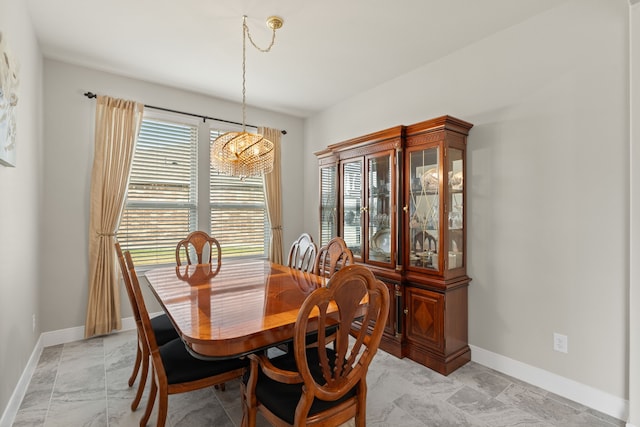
x=162, y=327
x=143, y=313
x=142, y=353
x=302, y=254
x=198, y=248
x=336, y=373
x=332, y=257
x=127, y=285
x=186, y=373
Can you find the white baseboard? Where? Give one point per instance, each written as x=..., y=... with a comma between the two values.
x=20, y=390
x=63, y=336
x=46, y=339
x=565, y=387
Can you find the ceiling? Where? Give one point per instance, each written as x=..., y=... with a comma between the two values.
x=326, y=51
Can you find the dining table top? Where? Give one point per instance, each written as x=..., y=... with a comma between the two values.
x=237, y=308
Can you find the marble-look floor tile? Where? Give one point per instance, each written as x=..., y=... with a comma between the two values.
x=390, y=415
x=484, y=379
x=491, y=411
x=541, y=406
x=606, y=418
x=39, y=390
x=197, y=408
x=30, y=417
x=436, y=413
x=87, y=413
x=50, y=357
x=82, y=355
x=85, y=384
x=120, y=414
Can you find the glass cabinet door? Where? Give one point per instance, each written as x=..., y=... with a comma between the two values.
x=328, y=204
x=379, y=204
x=352, y=206
x=424, y=208
x=455, y=208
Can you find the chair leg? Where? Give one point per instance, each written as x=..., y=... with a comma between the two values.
x=151, y=401
x=136, y=366
x=361, y=412
x=249, y=410
x=163, y=398
x=143, y=380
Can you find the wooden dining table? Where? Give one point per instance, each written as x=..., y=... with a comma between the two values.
x=239, y=308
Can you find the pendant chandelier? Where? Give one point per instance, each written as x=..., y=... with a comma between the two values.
x=245, y=154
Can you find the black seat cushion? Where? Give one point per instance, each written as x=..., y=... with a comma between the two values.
x=282, y=399
x=312, y=337
x=180, y=366
x=163, y=329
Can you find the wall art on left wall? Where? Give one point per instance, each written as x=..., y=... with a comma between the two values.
x=8, y=102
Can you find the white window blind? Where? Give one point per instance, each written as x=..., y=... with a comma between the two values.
x=238, y=213
x=164, y=203
x=328, y=189
x=161, y=205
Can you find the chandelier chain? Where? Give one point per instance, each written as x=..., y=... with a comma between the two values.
x=245, y=34
x=246, y=30
x=244, y=72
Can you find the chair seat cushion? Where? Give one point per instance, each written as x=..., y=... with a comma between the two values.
x=180, y=366
x=312, y=337
x=163, y=329
x=282, y=399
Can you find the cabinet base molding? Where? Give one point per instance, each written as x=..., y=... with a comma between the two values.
x=439, y=363
x=392, y=346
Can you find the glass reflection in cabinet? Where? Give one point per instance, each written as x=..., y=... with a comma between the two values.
x=328, y=204
x=456, y=200
x=424, y=187
x=352, y=206
x=379, y=207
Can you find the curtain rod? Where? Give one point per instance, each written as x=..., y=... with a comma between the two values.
x=204, y=118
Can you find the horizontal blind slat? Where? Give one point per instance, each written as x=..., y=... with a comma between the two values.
x=161, y=205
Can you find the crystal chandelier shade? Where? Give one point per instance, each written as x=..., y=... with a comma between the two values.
x=242, y=154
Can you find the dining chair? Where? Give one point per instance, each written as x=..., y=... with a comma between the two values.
x=332, y=257
x=322, y=385
x=302, y=253
x=200, y=244
x=174, y=370
x=162, y=328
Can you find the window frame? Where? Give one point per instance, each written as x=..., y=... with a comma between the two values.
x=204, y=171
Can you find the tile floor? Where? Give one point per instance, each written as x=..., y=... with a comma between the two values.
x=85, y=384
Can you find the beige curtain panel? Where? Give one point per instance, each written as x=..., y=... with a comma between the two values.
x=273, y=196
x=117, y=125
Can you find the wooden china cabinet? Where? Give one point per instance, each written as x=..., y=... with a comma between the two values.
x=359, y=202
x=397, y=199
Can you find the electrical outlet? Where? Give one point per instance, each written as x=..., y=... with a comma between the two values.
x=33, y=322
x=560, y=343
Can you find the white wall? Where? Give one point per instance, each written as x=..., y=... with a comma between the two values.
x=19, y=206
x=68, y=138
x=634, y=294
x=548, y=181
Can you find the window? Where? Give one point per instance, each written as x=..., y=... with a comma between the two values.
x=238, y=213
x=165, y=201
